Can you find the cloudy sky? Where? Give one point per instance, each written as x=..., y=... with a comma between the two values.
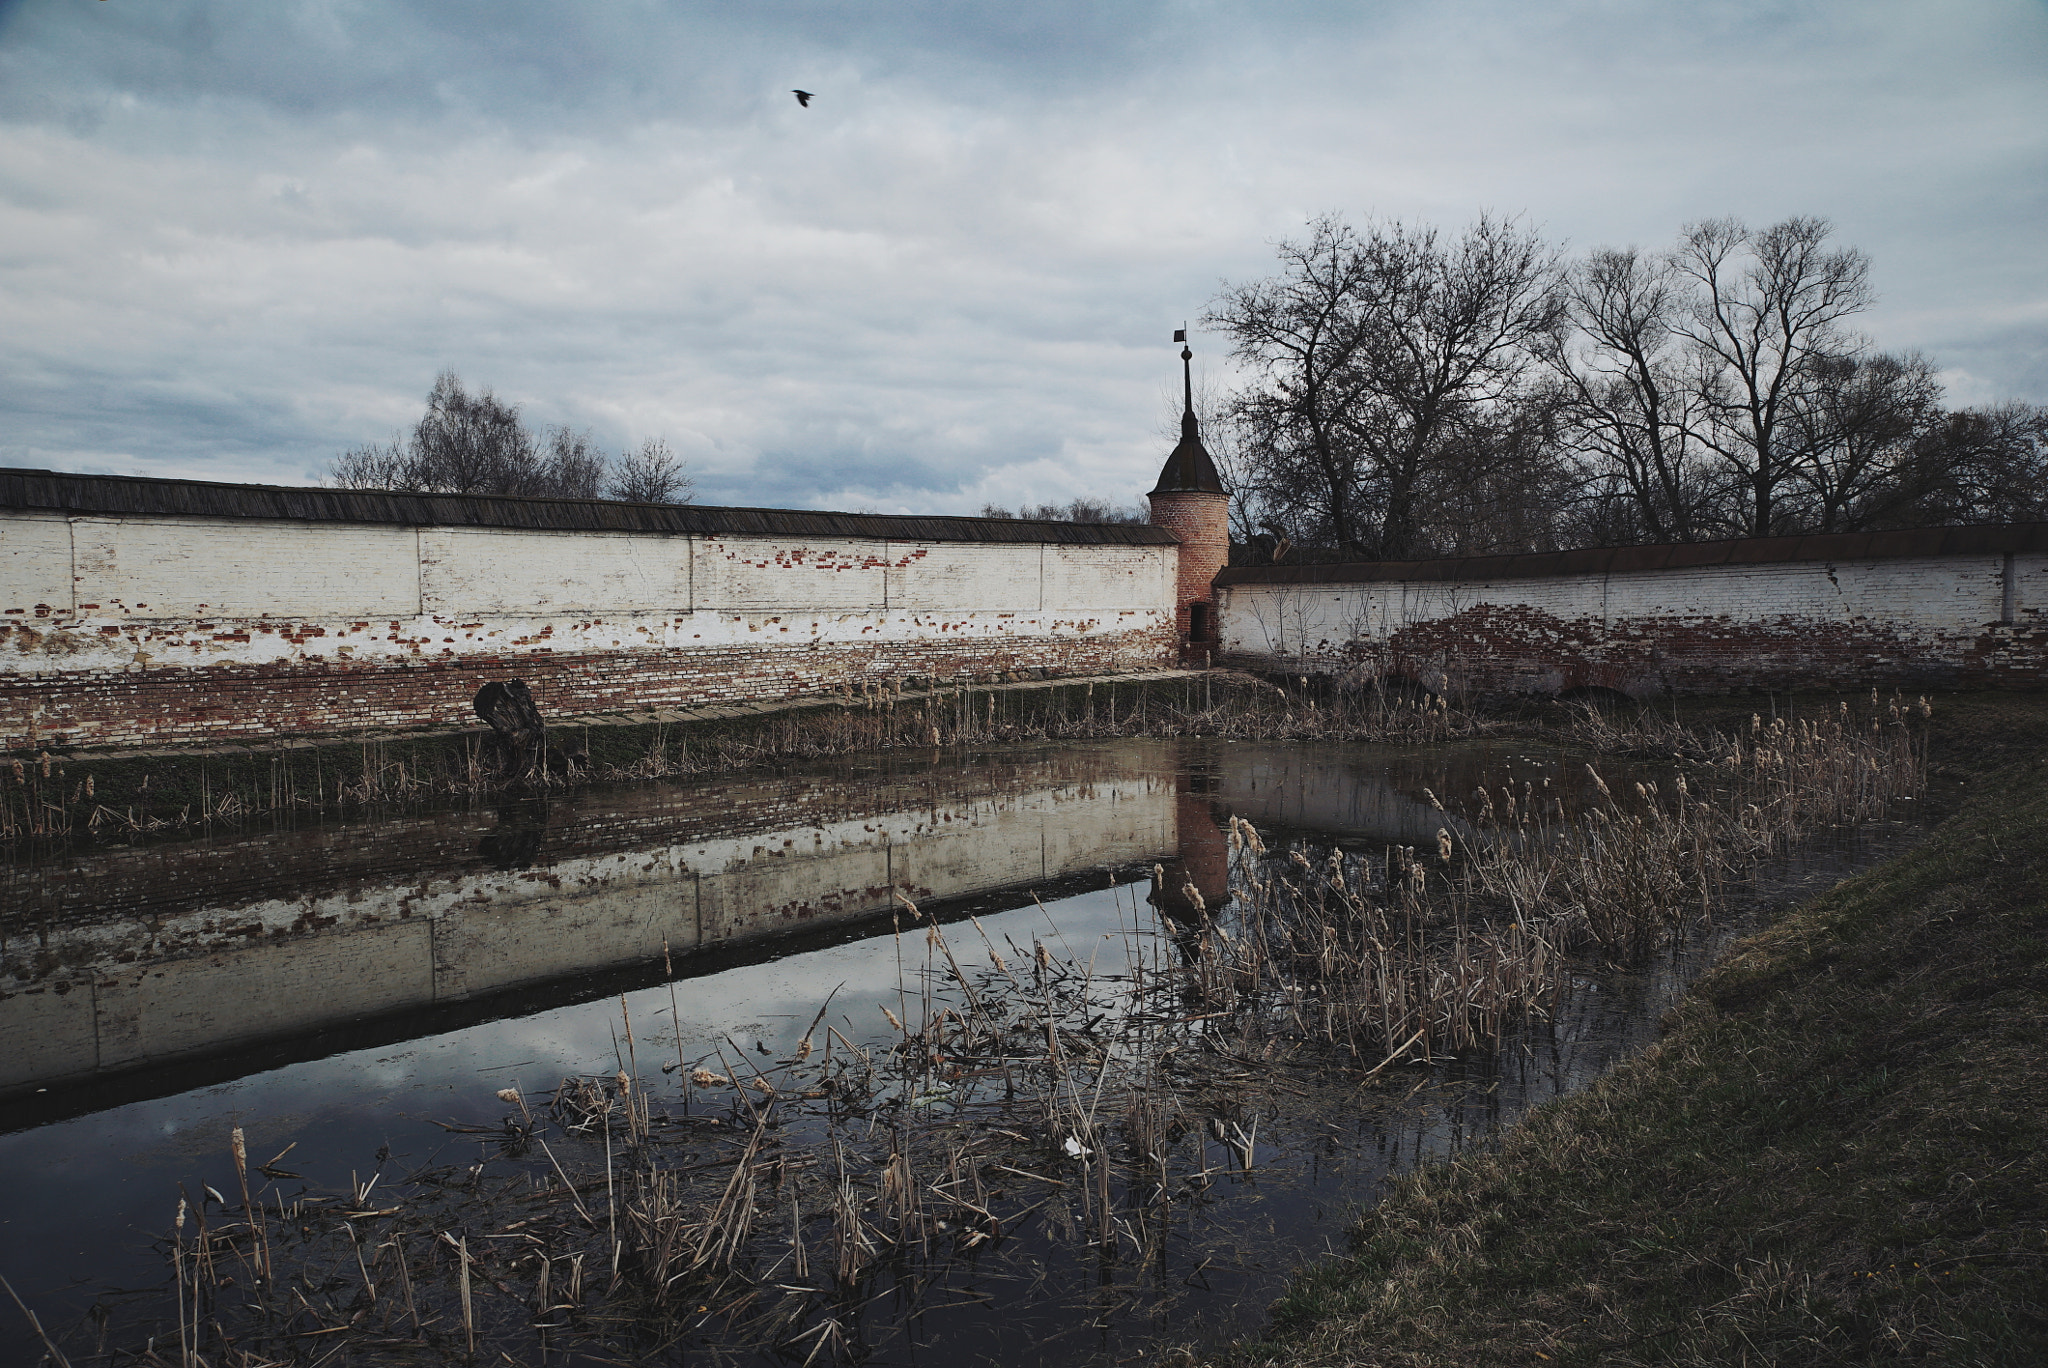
x=238, y=236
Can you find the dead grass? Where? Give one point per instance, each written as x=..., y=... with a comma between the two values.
x=1833, y=1156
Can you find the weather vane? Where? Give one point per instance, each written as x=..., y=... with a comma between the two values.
x=1187, y=374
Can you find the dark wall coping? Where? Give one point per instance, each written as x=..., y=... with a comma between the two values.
x=116, y=495
x=1907, y=543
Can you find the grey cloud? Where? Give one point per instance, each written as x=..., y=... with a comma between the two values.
x=532, y=62
x=243, y=237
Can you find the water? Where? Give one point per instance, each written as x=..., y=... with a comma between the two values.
x=340, y=988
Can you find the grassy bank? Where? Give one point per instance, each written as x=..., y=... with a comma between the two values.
x=1833, y=1156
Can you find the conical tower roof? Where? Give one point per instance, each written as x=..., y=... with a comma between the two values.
x=1188, y=469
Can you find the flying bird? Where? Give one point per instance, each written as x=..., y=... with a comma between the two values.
x=803, y=97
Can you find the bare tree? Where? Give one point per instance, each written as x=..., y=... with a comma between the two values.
x=1081, y=510
x=1766, y=309
x=570, y=466
x=1859, y=427
x=471, y=444
x=372, y=466
x=475, y=444
x=1982, y=465
x=1302, y=330
x=1629, y=401
x=653, y=474
x=1378, y=356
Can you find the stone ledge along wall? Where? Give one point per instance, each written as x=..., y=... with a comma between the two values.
x=143, y=611
x=1921, y=608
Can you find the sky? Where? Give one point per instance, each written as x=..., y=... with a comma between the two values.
x=237, y=239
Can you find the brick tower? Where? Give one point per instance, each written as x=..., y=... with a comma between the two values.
x=1189, y=502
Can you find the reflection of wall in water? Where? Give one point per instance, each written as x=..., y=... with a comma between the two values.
x=86, y=992
x=1330, y=790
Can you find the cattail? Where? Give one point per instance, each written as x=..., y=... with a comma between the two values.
x=509, y=1096
x=625, y=1083
x=704, y=1078
x=1194, y=897
x=1443, y=845
x=894, y=1020
x=1599, y=783
x=1434, y=801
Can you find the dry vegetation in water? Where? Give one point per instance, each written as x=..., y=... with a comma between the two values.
x=768, y=1203
x=1833, y=1156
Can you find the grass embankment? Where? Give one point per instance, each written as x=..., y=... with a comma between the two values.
x=1835, y=1154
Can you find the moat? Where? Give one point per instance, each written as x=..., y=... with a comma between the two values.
x=401, y=998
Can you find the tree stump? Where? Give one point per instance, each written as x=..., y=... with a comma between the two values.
x=518, y=735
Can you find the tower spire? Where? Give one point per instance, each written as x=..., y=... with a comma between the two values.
x=1187, y=375
x=1189, y=468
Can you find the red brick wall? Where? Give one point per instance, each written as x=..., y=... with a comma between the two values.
x=257, y=702
x=1202, y=522
x=1503, y=649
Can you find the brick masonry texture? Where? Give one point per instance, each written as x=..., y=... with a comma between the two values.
x=133, y=630
x=240, y=702
x=137, y=629
x=1202, y=522
x=1911, y=622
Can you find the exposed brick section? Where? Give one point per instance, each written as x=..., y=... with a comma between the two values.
x=1913, y=622
x=138, y=628
x=1202, y=522
x=230, y=702
x=1500, y=650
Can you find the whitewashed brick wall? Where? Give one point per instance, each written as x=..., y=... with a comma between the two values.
x=138, y=592
x=1920, y=619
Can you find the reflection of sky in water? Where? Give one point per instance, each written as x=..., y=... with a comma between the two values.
x=119, y=1170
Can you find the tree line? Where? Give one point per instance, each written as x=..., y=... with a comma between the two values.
x=476, y=444
x=1083, y=510
x=1413, y=393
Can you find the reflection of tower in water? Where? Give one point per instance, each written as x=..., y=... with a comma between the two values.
x=1197, y=879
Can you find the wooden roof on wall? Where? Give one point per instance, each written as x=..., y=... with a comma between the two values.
x=116, y=495
x=1914, y=542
